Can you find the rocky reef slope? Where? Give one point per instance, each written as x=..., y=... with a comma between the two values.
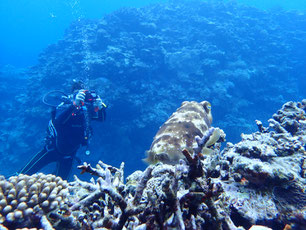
x=259, y=181
x=268, y=168
x=145, y=62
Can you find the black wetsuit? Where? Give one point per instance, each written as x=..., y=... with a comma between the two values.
x=67, y=131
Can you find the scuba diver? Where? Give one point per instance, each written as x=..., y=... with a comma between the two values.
x=68, y=129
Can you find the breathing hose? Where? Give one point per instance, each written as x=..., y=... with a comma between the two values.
x=50, y=92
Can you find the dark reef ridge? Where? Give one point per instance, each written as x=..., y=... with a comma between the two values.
x=144, y=62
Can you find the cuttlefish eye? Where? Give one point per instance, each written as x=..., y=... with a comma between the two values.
x=206, y=106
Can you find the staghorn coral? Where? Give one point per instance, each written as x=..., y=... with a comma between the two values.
x=163, y=196
x=26, y=200
x=96, y=201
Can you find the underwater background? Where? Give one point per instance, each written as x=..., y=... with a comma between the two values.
x=145, y=58
x=27, y=27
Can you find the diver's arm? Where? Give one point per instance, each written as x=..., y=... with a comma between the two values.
x=73, y=107
x=65, y=114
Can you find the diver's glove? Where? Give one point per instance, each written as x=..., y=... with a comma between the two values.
x=98, y=103
x=79, y=98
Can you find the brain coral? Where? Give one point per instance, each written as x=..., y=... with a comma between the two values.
x=22, y=197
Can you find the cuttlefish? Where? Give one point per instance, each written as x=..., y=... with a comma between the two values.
x=191, y=119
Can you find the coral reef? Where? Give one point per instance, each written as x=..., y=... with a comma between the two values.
x=145, y=62
x=247, y=62
x=27, y=200
x=258, y=183
x=266, y=172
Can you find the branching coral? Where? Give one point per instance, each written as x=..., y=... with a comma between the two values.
x=164, y=196
x=107, y=194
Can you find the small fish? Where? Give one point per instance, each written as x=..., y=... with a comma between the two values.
x=244, y=181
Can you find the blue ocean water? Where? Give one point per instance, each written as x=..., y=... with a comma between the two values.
x=28, y=26
x=248, y=75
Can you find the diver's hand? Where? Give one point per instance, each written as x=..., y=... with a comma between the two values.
x=98, y=103
x=80, y=98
